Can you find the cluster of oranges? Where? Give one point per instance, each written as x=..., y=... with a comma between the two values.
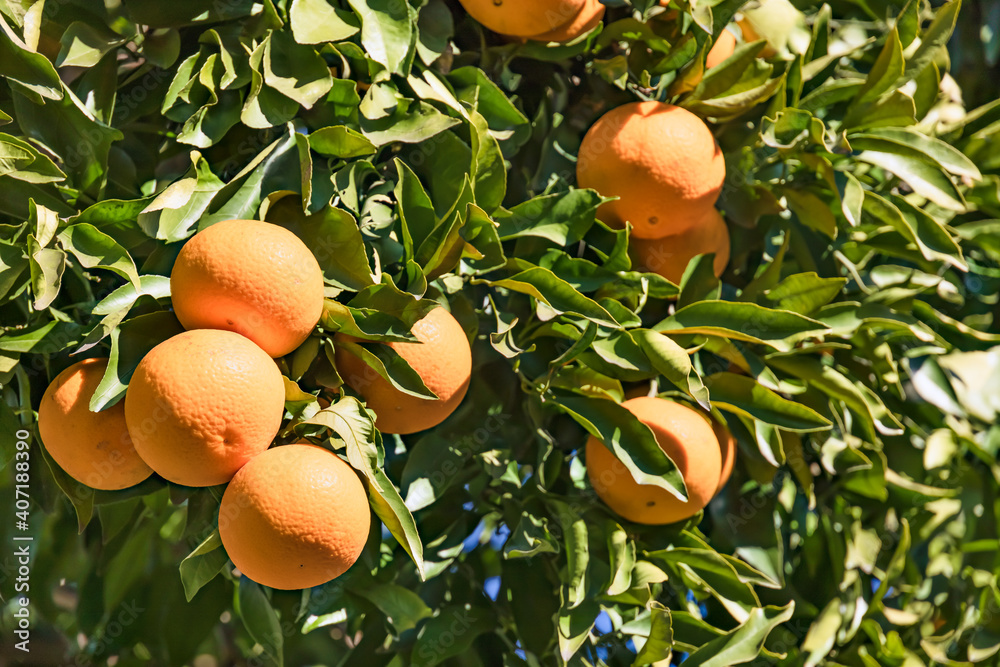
x=204, y=407
x=662, y=163
x=659, y=160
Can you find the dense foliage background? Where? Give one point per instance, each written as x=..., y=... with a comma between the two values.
x=851, y=345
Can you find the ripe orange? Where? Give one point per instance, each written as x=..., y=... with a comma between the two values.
x=686, y=437
x=523, y=18
x=590, y=15
x=724, y=47
x=251, y=277
x=669, y=256
x=93, y=448
x=295, y=517
x=662, y=163
x=443, y=360
x=202, y=404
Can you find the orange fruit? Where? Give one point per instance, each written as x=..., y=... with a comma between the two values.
x=660, y=160
x=590, y=15
x=687, y=438
x=93, y=448
x=203, y=403
x=523, y=18
x=295, y=517
x=727, y=443
x=669, y=256
x=724, y=47
x=251, y=277
x=442, y=359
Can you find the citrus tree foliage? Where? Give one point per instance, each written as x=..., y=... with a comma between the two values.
x=851, y=346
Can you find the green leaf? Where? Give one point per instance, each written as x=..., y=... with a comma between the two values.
x=672, y=361
x=745, y=396
x=45, y=338
x=47, y=265
x=295, y=70
x=574, y=628
x=837, y=386
x=926, y=180
x=562, y=218
x=355, y=426
x=441, y=251
x=340, y=141
x=264, y=106
x=556, y=293
x=96, y=250
x=46, y=222
x=703, y=568
x=13, y=155
x=488, y=168
x=31, y=70
x=450, y=633
x=471, y=85
x=630, y=440
x=116, y=306
x=13, y=263
x=805, y=293
x=202, y=565
x=744, y=643
x=334, y=238
x=270, y=171
x=84, y=44
x=22, y=161
x=402, y=608
x=129, y=344
x=936, y=36
x=66, y=127
x=621, y=554
x=811, y=211
x=928, y=235
x=365, y=324
x=316, y=21
x=416, y=212
x=388, y=32
x=886, y=71
x=390, y=301
x=660, y=640
x=726, y=77
x=412, y=122
x=574, y=530
x=80, y=495
x=895, y=108
x=483, y=249
x=911, y=142
x=386, y=362
x=779, y=329
x=157, y=287
x=173, y=215
x=260, y=619
x=503, y=340
x=699, y=281
x=531, y=536
x=435, y=27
